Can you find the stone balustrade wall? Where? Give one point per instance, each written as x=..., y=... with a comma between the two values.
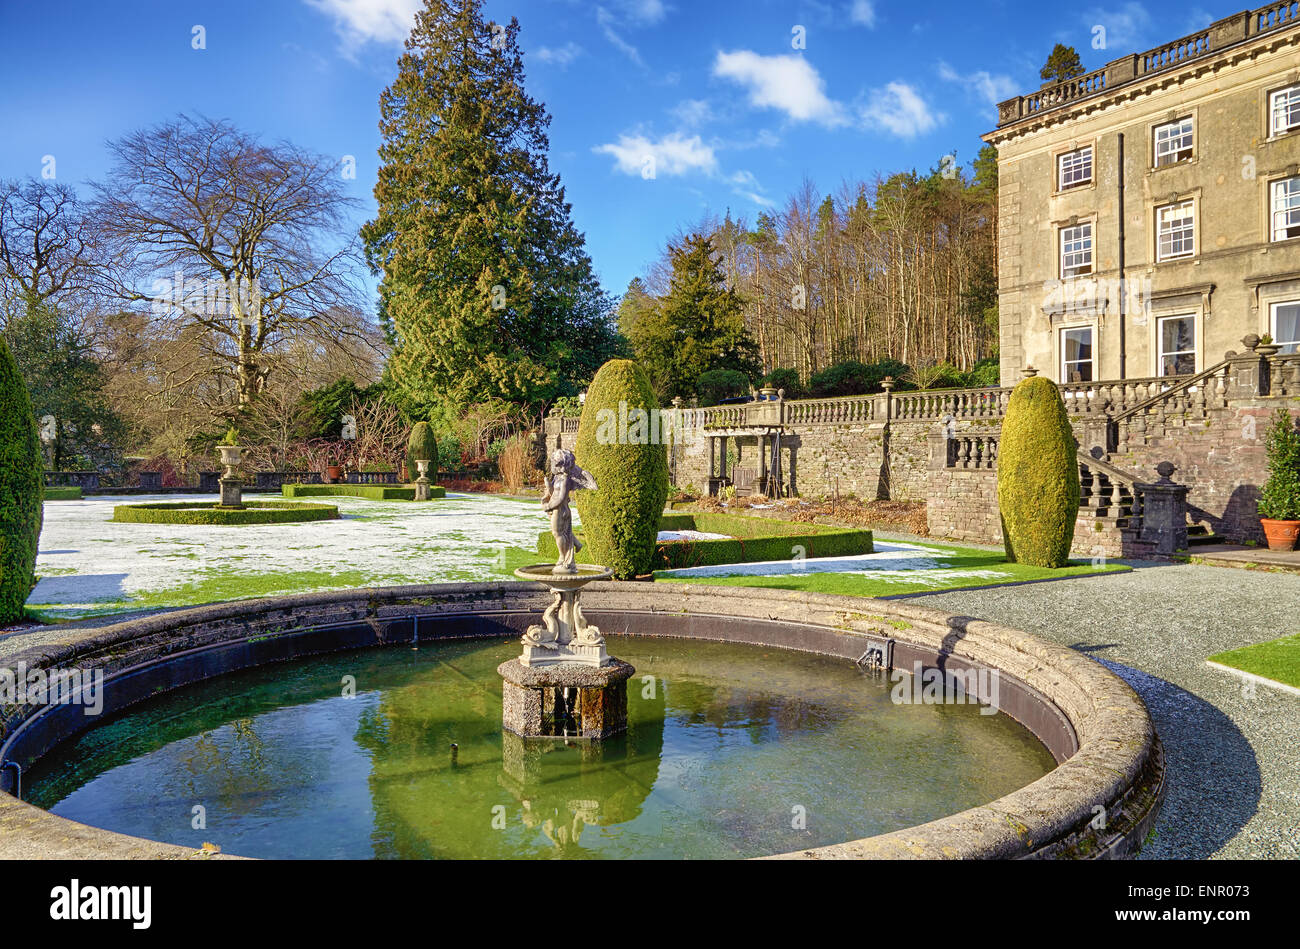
x=941, y=447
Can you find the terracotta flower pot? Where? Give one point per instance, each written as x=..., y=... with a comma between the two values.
x=1281, y=535
x=334, y=472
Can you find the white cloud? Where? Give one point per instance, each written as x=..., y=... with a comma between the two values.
x=900, y=110
x=673, y=155
x=1127, y=29
x=364, y=21
x=746, y=185
x=607, y=22
x=787, y=83
x=691, y=112
x=863, y=13
x=646, y=12
x=990, y=88
x=559, y=56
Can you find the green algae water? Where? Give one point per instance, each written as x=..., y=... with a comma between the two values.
x=731, y=751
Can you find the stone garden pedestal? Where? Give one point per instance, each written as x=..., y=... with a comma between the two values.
x=580, y=701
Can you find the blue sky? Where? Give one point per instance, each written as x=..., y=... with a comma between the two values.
x=736, y=101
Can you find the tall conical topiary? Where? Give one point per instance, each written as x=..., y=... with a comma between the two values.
x=21, y=490
x=422, y=446
x=1038, y=476
x=619, y=445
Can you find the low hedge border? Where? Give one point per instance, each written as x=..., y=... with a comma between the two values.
x=63, y=494
x=371, y=492
x=253, y=512
x=750, y=540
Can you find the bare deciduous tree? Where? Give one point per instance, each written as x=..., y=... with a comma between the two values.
x=46, y=249
x=249, y=241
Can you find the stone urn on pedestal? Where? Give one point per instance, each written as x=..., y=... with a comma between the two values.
x=564, y=684
x=422, y=482
x=231, y=489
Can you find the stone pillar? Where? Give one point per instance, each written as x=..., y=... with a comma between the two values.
x=1164, y=512
x=1248, y=376
x=232, y=494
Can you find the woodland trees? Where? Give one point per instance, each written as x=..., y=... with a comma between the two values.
x=899, y=268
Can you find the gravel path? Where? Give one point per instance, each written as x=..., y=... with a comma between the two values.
x=1233, y=755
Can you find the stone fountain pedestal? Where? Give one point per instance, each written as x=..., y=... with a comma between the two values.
x=564, y=683
x=565, y=700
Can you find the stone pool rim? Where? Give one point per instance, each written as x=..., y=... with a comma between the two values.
x=1110, y=762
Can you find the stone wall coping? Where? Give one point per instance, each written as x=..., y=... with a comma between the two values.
x=1118, y=764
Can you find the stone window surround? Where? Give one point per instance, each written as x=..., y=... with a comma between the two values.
x=1291, y=80
x=1185, y=301
x=1073, y=146
x=1058, y=227
x=1266, y=291
x=1268, y=179
x=1170, y=117
x=1158, y=203
x=1058, y=345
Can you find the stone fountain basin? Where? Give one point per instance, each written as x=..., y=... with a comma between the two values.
x=1092, y=722
x=541, y=573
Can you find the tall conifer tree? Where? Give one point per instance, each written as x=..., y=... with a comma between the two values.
x=485, y=279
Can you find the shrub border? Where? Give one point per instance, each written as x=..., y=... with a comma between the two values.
x=371, y=492
x=63, y=494
x=751, y=540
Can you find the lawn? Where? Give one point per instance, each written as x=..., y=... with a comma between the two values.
x=1278, y=659
x=90, y=565
x=895, y=569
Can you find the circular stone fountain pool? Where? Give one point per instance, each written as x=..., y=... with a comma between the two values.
x=752, y=731
x=732, y=751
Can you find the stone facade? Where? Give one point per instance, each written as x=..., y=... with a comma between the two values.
x=1184, y=129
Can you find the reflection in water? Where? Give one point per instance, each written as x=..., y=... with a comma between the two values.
x=724, y=744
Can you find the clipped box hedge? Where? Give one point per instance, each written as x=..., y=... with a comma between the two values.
x=253, y=512
x=63, y=494
x=371, y=492
x=749, y=540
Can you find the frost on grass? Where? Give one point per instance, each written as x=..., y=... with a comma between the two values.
x=890, y=563
x=667, y=537
x=90, y=565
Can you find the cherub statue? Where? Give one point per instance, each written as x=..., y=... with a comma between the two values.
x=564, y=476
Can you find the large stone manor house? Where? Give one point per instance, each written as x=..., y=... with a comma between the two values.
x=1149, y=211
x=1148, y=263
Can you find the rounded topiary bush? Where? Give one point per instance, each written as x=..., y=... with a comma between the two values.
x=21, y=490
x=622, y=446
x=422, y=446
x=1038, y=476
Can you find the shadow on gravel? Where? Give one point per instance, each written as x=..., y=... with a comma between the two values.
x=1212, y=776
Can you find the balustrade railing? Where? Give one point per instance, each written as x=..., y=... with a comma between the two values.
x=1107, y=491
x=973, y=452
x=843, y=411
x=1284, y=374
x=1172, y=54
x=1140, y=406
x=1219, y=35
